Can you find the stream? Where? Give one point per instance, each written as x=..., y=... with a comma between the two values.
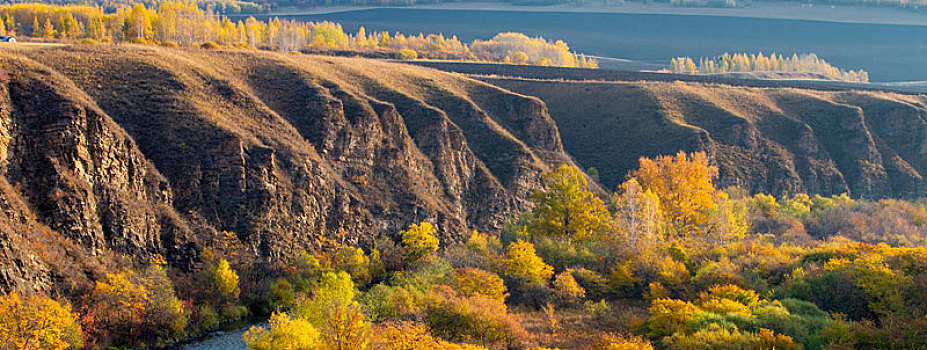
x=222, y=340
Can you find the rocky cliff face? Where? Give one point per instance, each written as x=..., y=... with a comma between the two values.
x=144, y=151
x=779, y=141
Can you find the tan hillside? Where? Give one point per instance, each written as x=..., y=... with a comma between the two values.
x=144, y=150
x=772, y=140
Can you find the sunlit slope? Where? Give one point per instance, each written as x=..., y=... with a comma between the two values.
x=147, y=151
x=772, y=140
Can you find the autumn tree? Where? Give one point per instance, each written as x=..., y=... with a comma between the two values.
x=224, y=281
x=639, y=221
x=139, y=24
x=37, y=322
x=284, y=332
x=727, y=222
x=334, y=312
x=566, y=289
x=566, y=208
x=419, y=242
x=472, y=281
x=683, y=183
x=523, y=263
x=48, y=30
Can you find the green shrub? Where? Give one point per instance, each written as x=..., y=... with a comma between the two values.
x=283, y=295
x=595, y=285
x=384, y=303
x=425, y=275
x=719, y=338
x=562, y=253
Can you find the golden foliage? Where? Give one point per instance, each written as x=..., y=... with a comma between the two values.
x=639, y=221
x=184, y=22
x=523, y=263
x=567, y=289
x=419, y=242
x=472, y=281
x=225, y=279
x=335, y=313
x=683, y=183
x=742, y=62
x=716, y=337
x=284, y=333
x=566, y=208
x=405, y=335
x=37, y=322
x=475, y=319
x=612, y=341
x=668, y=316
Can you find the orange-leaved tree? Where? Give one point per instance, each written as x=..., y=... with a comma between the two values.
x=684, y=185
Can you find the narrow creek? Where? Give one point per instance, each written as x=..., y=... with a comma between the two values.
x=230, y=339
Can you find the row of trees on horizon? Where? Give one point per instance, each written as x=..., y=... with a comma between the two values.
x=774, y=63
x=174, y=23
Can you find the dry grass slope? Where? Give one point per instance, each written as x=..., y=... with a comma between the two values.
x=772, y=140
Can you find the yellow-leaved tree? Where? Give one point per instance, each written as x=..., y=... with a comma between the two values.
x=639, y=221
x=330, y=320
x=683, y=183
x=419, y=242
x=118, y=307
x=226, y=280
x=37, y=322
x=566, y=208
x=728, y=221
x=335, y=313
x=284, y=332
x=523, y=263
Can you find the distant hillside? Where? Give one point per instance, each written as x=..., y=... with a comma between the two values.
x=771, y=140
x=142, y=150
